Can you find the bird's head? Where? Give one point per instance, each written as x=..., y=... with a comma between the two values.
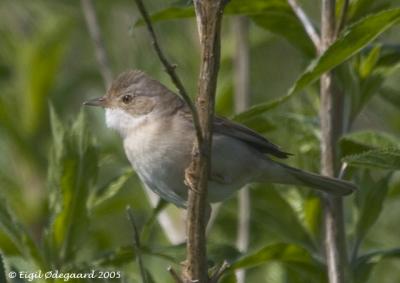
x=132, y=97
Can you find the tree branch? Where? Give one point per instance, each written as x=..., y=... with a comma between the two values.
x=241, y=64
x=331, y=128
x=169, y=68
x=95, y=34
x=308, y=26
x=208, y=16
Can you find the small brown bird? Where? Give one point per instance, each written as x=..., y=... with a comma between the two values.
x=158, y=134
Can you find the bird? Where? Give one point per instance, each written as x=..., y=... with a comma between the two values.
x=157, y=131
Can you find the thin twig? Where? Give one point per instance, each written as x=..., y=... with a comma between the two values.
x=308, y=26
x=174, y=275
x=136, y=244
x=170, y=68
x=343, y=17
x=95, y=34
x=241, y=66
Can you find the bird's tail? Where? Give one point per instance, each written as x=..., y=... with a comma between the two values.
x=328, y=185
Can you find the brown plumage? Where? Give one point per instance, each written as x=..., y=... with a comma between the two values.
x=158, y=135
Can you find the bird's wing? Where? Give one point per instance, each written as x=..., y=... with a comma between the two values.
x=229, y=128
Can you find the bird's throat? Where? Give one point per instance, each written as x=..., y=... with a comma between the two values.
x=124, y=122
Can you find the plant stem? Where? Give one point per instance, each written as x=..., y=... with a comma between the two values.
x=331, y=128
x=208, y=16
x=241, y=64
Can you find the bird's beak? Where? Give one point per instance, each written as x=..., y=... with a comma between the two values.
x=99, y=101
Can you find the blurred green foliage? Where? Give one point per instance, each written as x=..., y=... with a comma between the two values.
x=64, y=189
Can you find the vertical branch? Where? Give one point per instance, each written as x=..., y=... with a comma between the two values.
x=331, y=128
x=208, y=16
x=241, y=63
x=240, y=27
x=95, y=34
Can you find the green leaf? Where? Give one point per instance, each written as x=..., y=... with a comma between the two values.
x=280, y=217
x=350, y=42
x=229, y=277
x=44, y=53
x=376, y=256
x=127, y=254
x=379, y=158
x=172, y=13
x=219, y=252
x=281, y=252
x=368, y=63
x=2, y=270
x=117, y=258
x=359, y=142
x=374, y=76
x=373, y=72
x=57, y=130
x=259, y=109
x=149, y=277
x=172, y=253
x=369, y=202
x=108, y=191
x=234, y=7
x=19, y=236
x=360, y=8
x=303, y=272
x=313, y=214
x=260, y=124
x=284, y=23
x=73, y=171
x=389, y=59
x=368, y=88
x=365, y=264
x=392, y=96
x=145, y=234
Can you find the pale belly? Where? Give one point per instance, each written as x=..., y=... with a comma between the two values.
x=161, y=165
x=160, y=153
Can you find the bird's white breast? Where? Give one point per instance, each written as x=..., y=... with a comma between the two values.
x=122, y=121
x=157, y=157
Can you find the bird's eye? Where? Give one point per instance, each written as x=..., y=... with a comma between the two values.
x=127, y=98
